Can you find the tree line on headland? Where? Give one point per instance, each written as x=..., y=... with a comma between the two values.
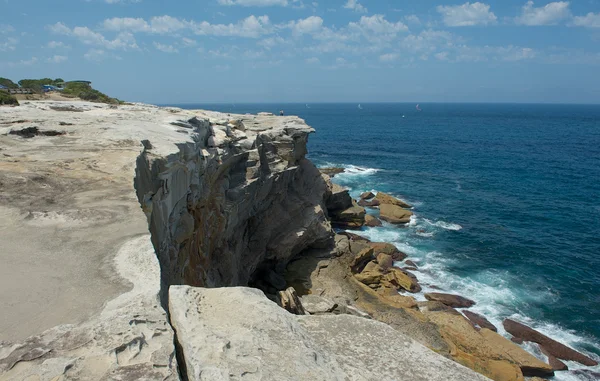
x=76, y=89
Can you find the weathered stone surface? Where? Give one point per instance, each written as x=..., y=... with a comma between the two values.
x=372, y=221
x=553, y=347
x=455, y=301
x=314, y=304
x=370, y=275
x=480, y=320
x=410, y=263
x=403, y=279
x=227, y=333
x=130, y=339
x=385, y=198
x=394, y=214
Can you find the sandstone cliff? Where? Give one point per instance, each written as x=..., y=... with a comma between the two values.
x=229, y=200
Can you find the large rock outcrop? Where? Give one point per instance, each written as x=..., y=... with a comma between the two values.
x=236, y=204
x=267, y=343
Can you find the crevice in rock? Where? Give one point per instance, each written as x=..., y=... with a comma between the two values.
x=31, y=132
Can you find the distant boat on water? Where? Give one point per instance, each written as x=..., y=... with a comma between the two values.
x=418, y=108
x=359, y=107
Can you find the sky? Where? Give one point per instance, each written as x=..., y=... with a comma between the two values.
x=194, y=51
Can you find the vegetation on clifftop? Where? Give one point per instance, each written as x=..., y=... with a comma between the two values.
x=87, y=93
x=8, y=83
x=7, y=99
x=78, y=89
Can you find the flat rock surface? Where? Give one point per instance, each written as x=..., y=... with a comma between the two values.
x=235, y=333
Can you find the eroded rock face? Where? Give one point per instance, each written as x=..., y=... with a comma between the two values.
x=233, y=202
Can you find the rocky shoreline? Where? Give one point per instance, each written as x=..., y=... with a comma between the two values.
x=380, y=270
x=240, y=225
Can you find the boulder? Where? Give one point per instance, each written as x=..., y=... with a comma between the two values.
x=455, y=301
x=314, y=304
x=555, y=363
x=372, y=221
x=394, y=214
x=385, y=198
x=433, y=306
x=367, y=195
x=370, y=275
x=553, y=347
x=385, y=260
x=361, y=259
x=388, y=248
x=338, y=199
x=351, y=218
x=410, y=263
x=369, y=204
x=480, y=320
x=403, y=279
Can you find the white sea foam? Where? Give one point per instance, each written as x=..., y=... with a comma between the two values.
x=444, y=225
x=353, y=170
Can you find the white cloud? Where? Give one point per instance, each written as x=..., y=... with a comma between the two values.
x=377, y=24
x=388, y=57
x=251, y=27
x=124, y=40
x=60, y=28
x=341, y=62
x=254, y=3
x=57, y=59
x=57, y=45
x=468, y=14
x=549, y=14
x=355, y=6
x=312, y=60
x=591, y=20
x=512, y=53
x=188, y=42
x=9, y=44
x=308, y=25
x=165, y=48
x=270, y=42
x=413, y=19
x=95, y=55
x=127, y=23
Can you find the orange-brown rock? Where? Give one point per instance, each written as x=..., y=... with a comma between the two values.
x=350, y=218
x=553, y=347
x=486, y=345
x=403, y=279
x=372, y=221
x=394, y=214
x=480, y=320
x=361, y=260
x=385, y=198
x=451, y=300
x=369, y=203
x=385, y=261
x=370, y=275
x=410, y=263
x=388, y=248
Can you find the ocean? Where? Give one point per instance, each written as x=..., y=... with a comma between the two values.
x=506, y=200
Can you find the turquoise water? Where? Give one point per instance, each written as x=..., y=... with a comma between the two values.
x=506, y=198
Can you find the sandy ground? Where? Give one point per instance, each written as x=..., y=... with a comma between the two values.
x=67, y=205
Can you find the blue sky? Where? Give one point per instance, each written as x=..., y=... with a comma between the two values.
x=196, y=51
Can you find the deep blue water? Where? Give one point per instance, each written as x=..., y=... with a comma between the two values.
x=507, y=199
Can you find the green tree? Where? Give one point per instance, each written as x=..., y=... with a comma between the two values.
x=8, y=83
